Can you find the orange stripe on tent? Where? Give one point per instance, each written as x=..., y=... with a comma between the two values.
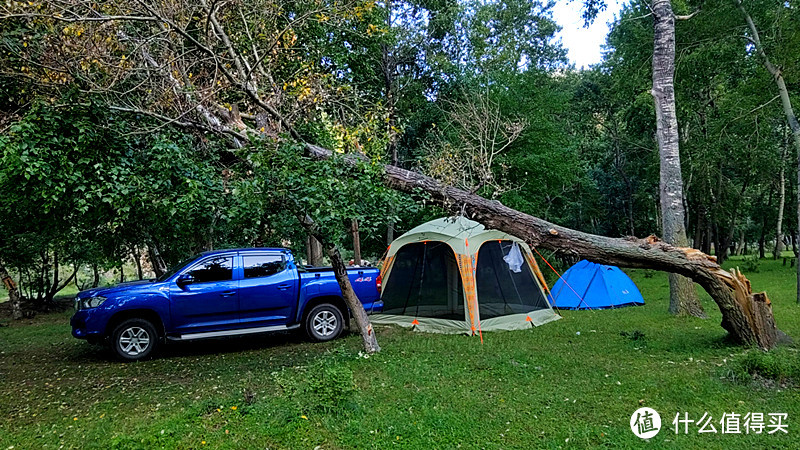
x=468, y=279
x=535, y=269
x=387, y=263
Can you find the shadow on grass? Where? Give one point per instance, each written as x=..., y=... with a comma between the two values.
x=89, y=353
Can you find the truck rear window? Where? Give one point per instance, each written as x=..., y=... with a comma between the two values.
x=257, y=266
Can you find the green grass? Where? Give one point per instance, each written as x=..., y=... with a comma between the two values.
x=544, y=388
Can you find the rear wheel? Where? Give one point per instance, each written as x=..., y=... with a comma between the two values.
x=134, y=339
x=324, y=322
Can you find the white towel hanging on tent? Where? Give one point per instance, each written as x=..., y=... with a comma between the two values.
x=514, y=259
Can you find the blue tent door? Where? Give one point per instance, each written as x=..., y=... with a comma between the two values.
x=613, y=293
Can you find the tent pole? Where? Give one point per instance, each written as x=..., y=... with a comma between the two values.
x=560, y=278
x=594, y=275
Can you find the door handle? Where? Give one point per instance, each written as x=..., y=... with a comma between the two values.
x=283, y=287
x=227, y=293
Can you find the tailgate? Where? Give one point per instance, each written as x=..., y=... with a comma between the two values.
x=364, y=283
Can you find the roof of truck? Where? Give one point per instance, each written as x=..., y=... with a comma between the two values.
x=249, y=249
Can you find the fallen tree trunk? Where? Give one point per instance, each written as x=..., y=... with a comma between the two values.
x=746, y=316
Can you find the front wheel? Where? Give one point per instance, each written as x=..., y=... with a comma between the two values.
x=324, y=322
x=134, y=339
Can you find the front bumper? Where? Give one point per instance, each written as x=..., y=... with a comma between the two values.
x=81, y=323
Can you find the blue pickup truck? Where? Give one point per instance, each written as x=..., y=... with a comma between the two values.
x=221, y=293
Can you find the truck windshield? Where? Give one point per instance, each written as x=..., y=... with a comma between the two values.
x=174, y=269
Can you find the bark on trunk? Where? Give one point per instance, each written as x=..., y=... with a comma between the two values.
x=698, y=229
x=314, y=250
x=683, y=297
x=747, y=316
x=159, y=267
x=137, y=258
x=308, y=250
x=96, y=275
x=786, y=102
x=740, y=246
x=781, y=202
x=57, y=286
x=762, y=243
x=727, y=243
x=14, y=297
x=363, y=324
x=390, y=234
x=356, y=242
x=360, y=317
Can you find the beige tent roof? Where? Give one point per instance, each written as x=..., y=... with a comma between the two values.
x=463, y=235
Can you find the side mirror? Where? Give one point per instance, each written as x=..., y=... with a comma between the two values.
x=184, y=280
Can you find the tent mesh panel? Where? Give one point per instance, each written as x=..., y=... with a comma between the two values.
x=425, y=282
x=501, y=291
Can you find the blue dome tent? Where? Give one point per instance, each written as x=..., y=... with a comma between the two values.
x=587, y=285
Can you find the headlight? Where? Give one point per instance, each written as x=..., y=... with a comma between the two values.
x=92, y=302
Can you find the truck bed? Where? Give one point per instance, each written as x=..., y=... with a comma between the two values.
x=321, y=280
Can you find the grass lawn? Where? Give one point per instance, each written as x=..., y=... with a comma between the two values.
x=573, y=383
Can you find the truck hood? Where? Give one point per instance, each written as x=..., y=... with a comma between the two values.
x=131, y=286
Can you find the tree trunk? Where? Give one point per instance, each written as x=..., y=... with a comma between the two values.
x=308, y=250
x=356, y=242
x=57, y=286
x=13, y=293
x=389, y=69
x=390, y=234
x=746, y=316
x=727, y=242
x=698, y=233
x=707, y=236
x=786, y=102
x=683, y=297
x=159, y=267
x=137, y=258
x=51, y=290
x=781, y=201
x=740, y=246
x=96, y=273
x=363, y=324
x=314, y=249
x=43, y=273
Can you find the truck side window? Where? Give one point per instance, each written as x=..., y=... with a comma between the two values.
x=217, y=269
x=256, y=266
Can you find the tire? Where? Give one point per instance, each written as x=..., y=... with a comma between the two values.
x=324, y=323
x=134, y=339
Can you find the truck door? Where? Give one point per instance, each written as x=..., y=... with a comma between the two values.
x=268, y=290
x=210, y=300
